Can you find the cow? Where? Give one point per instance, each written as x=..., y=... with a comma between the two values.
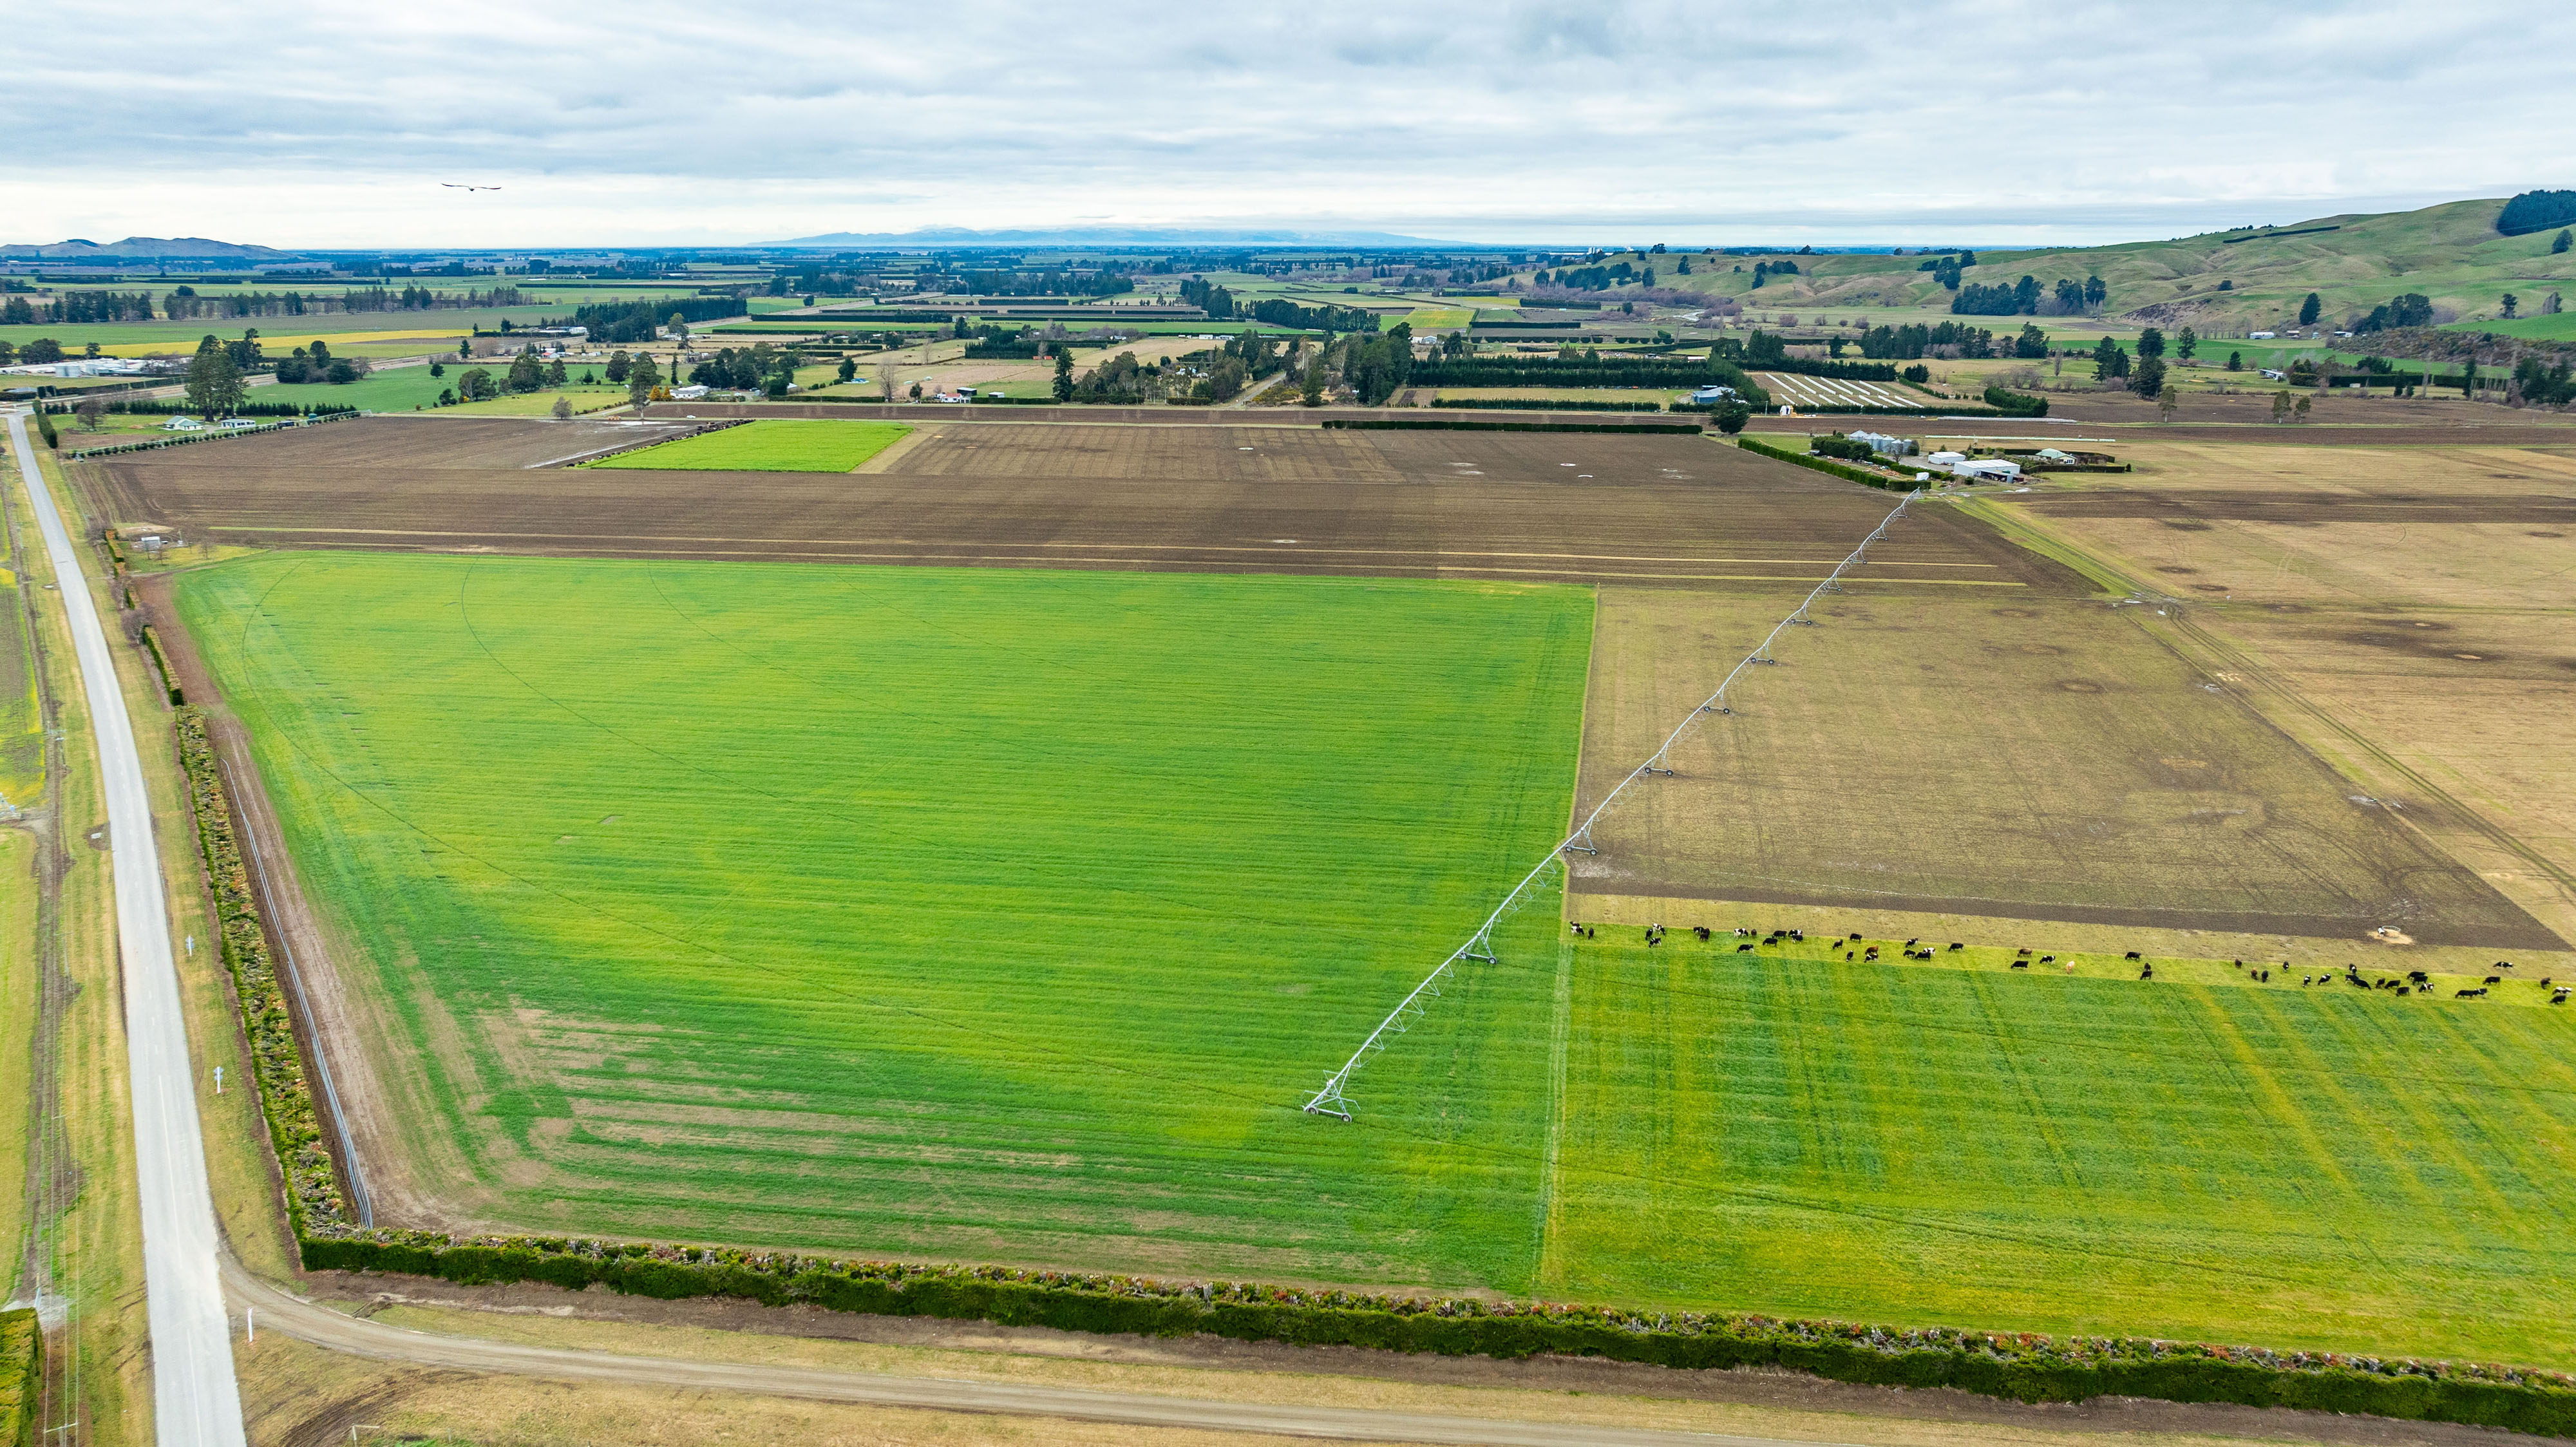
x=2148, y=973
x=2469, y=994
x=2494, y=980
x=2131, y=955
x=2021, y=964
x=1739, y=949
x=1954, y=944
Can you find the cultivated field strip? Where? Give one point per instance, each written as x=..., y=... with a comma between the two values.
x=1807, y=391
x=1657, y=511
x=2325, y=1168
x=2034, y=759
x=2308, y=508
x=998, y=915
x=952, y=913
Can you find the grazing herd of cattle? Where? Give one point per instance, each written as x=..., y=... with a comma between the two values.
x=2416, y=982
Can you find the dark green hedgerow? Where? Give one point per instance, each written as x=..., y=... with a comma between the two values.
x=169, y=680
x=313, y=1197
x=1810, y=461
x=2019, y=1366
x=1442, y=424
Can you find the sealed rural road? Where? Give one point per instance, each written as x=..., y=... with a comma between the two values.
x=296, y=1317
x=195, y=1397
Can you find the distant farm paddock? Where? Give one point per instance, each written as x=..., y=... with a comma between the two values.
x=1968, y=734
x=1075, y=881
x=1675, y=511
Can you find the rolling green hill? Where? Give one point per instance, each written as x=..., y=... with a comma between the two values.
x=2451, y=253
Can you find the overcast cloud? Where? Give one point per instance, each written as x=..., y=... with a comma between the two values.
x=644, y=122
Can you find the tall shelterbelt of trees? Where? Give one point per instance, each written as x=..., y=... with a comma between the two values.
x=2025, y=297
x=1105, y=282
x=1282, y=313
x=2414, y=309
x=1209, y=297
x=613, y=322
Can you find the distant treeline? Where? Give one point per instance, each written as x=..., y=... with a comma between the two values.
x=1591, y=371
x=1573, y=372
x=634, y=321
x=2536, y=211
x=1768, y=352
x=183, y=304
x=2025, y=297
x=1910, y=343
x=1040, y=283
x=1220, y=304
x=172, y=407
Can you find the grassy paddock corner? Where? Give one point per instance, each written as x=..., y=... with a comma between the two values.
x=294, y=1128
x=22, y=1376
x=2016, y=1366
x=777, y=444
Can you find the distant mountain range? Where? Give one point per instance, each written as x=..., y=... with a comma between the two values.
x=156, y=247
x=1107, y=236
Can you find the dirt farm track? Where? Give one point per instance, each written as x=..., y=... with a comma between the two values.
x=1592, y=507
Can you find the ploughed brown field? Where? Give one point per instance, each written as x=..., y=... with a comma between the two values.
x=1656, y=510
x=1972, y=731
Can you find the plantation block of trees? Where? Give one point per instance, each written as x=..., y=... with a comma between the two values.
x=2536, y=211
x=2414, y=309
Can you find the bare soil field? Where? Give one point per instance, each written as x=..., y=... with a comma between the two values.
x=1670, y=510
x=2023, y=758
x=401, y=442
x=2360, y=527
x=2325, y=409
x=2406, y=614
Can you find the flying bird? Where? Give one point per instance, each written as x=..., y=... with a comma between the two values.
x=461, y=186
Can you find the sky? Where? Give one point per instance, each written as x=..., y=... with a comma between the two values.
x=647, y=123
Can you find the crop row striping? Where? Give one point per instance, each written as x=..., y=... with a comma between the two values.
x=2020, y=1366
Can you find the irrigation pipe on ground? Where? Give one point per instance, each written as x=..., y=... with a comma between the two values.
x=1331, y=1099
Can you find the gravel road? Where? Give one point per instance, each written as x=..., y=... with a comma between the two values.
x=196, y=1398
x=278, y=1311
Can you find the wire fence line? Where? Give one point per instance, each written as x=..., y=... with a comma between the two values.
x=1331, y=1099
